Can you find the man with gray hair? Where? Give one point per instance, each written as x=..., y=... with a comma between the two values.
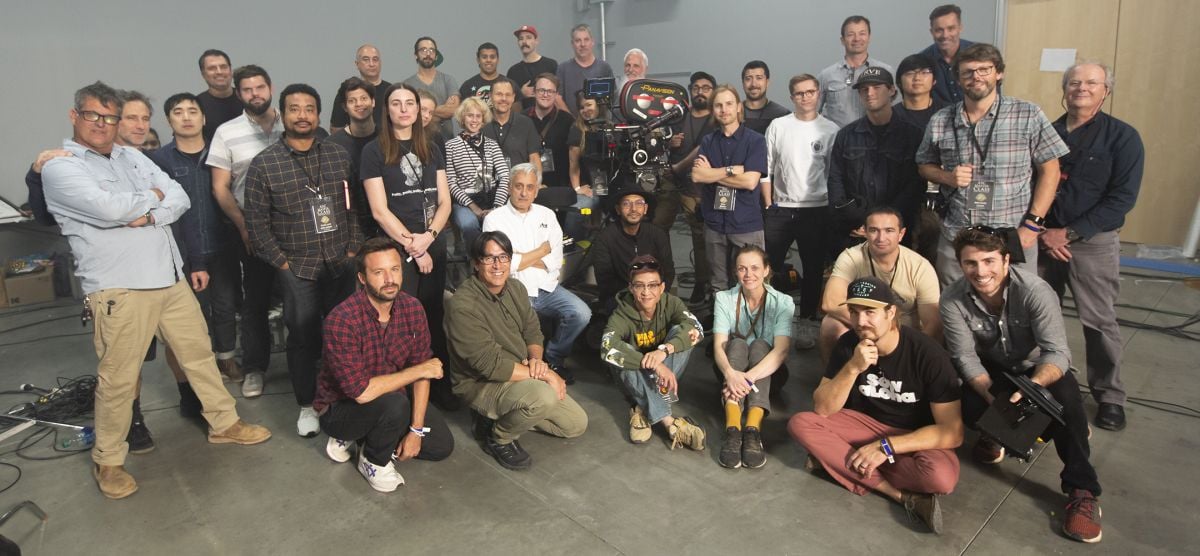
x=636, y=64
x=1100, y=181
x=370, y=69
x=537, y=261
x=583, y=65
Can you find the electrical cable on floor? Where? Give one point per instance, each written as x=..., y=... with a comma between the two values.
x=35, y=323
x=1153, y=404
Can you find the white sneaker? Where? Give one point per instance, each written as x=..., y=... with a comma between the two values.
x=309, y=424
x=383, y=478
x=338, y=450
x=252, y=386
x=806, y=333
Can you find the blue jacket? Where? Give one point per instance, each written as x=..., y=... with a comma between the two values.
x=198, y=231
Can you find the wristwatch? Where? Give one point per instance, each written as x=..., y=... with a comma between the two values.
x=664, y=348
x=1073, y=236
x=1039, y=220
x=729, y=171
x=433, y=233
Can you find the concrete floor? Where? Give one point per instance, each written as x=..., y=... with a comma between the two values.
x=597, y=494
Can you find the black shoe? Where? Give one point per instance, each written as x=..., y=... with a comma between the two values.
x=139, y=438
x=510, y=455
x=753, y=456
x=565, y=372
x=731, y=450
x=189, y=405
x=481, y=426
x=1110, y=416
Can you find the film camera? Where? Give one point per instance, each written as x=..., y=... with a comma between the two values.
x=635, y=151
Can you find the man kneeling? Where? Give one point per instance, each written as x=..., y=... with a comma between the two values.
x=887, y=415
x=495, y=346
x=376, y=344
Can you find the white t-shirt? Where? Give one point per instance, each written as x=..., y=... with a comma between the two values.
x=796, y=155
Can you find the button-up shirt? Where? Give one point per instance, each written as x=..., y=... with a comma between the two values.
x=1027, y=332
x=279, y=206
x=94, y=196
x=1100, y=177
x=1023, y=137
x=945, y=82
x=839, y=100
x=749, y=149
x=528, y=230
x=358, y=347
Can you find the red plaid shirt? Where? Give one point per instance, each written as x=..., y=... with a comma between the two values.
x=357, y=346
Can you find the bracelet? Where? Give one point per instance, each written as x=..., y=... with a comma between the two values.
x=421, y=432
x=887, y=449
x=1039, y=220
x=1029, y=226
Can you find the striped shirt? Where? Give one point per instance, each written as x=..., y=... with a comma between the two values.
x=235, y=144
x=463, y=163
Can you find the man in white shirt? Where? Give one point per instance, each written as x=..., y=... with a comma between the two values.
x=536, y=261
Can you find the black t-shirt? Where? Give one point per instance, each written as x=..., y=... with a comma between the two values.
x=899, y=389
x=477, y=86
x=554, y=130
x=517, y=139
x=522, y=73
x=218, y=111
x=408, y=183
x=338, y=116
x=919, y=118
x=759, y=120
x=354, y=146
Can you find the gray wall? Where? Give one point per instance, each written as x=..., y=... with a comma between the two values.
x=53, y=47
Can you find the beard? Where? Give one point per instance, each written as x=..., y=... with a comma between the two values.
x=259, y=109
x=379, y=295
x=426, y=62
x=973, y=95
x=700, y=102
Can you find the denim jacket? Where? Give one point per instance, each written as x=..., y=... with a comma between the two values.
x=197, y=231
x=865, y=174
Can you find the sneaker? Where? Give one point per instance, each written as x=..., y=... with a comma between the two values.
x=189, y=405
x=988, y=451
x=926, y=507
x=687, y=433
x=1083, y=517
x=339, y=450
x=240, y=432
x=753, y=455
x=510, y=455
x=230, y=371
x=806, y=333
x=383, y=478
x=731, y=450
x=139, y=438
x=481, y=426
x=114, y=481
x=639, y=428
x=252, y=386
x=309, y=424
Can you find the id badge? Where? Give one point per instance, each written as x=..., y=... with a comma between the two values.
x=981, y=196
x=484, y=180
x=322, y=215
x=547, y=160
x=430, y=209
x=599, y=181
x=725, y=200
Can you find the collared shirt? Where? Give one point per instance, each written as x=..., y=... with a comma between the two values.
x=235, y=144
x=797, y=156
x=773, y=318
x=945, y=82
x=749, y=149
x=1100, y=177
x=280, y=215
x=869, y=170
x=358, y=347
x=528, y=231
x=518, y=139
x=1026, y=333
x=1023, y=137
x=94, y=196
x=198, y=230
x=839, y=100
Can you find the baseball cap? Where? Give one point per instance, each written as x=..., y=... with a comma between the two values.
x=702, y=75
x=526, y=29
x=870, y=292
x=914, y=62
x=874, y=75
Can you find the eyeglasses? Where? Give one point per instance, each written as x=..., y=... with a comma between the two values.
x=493, y=259
x=924, y=72
x=545, y=91
x=640, y=287
x=92, y=116
x=702, y=88
x=426, y=50
x=639, y=203
x=805, y=94
x=983, y=71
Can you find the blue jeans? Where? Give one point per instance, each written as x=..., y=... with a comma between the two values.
x=305, y=304
x=467, y=223
x=570, y=314
x=642, y=386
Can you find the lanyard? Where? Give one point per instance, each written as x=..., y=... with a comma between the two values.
x=303, y=165
x=895, y=268
x=754, y=318
x=549, y=119
x=983, y=152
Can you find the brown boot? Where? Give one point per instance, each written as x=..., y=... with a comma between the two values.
x=240, y=432
x=114, y=481
x=230, y=370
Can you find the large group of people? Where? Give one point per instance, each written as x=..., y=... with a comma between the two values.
x=936, y=208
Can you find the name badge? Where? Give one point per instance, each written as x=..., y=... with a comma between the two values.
x=430, y=208
x=725, y=200
x=980, y=197
x=322, y=215
x=547, y=160
x=599, y=181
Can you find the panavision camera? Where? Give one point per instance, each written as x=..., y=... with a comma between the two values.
x=635, y=149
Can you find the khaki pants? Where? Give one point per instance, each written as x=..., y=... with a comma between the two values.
x=125, y=321
x=528, y=404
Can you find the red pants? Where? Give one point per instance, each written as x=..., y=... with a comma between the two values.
x=832, y=440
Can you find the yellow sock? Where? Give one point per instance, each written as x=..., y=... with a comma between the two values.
x=754, y=417
x=733, y=415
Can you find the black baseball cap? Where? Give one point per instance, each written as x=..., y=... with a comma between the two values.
x=702, y=75
x=870, y=292
x=875, y=75
x=914, y=62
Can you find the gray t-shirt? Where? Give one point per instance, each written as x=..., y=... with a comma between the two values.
x=443, y=87
x=571, y=76
x=517, y=139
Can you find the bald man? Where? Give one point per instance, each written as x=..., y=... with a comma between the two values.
x=370, y=66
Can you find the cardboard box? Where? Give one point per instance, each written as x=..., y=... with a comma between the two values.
x=26, y=289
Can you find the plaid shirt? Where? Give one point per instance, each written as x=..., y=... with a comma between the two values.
x=1023, y=137
x=358, y=347
x=279, y=214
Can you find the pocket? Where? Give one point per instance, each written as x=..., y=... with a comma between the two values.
x=1093, y=168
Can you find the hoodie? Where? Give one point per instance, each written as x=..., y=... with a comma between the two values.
x=628, y=336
